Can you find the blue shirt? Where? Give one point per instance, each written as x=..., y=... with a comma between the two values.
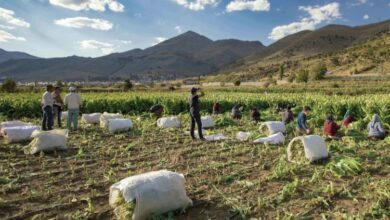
x=302, y=121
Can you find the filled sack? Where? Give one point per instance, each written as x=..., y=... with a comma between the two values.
x=119, y=125
x=93, y=118
x=207, y=122
x=18, y=134
x=64, y=115
x=168, y=122
x=47, y=141
x=146, y=195
x=272, y=127
x=105, y=116
x=243, y=136
x=306, y=149
x=9, y=124
x=277, y=138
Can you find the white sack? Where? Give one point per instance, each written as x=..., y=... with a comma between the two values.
x=93, y=118
x=168, y=122
x=314, y=147
x=207, y=122
x=9, y=124
x=47, y=141
x=273, y=127
x=243, y=136
x=119, y=125
x=105, y=116
x=18, y=134
x=277, y=138
x=216, y=137
x=64, y=115
x=154, y=192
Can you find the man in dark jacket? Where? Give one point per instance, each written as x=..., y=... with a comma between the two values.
x=193, y=101
x=288, y=116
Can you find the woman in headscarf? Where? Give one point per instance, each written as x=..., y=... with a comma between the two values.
x=348, y=118
x=255, y=114
x=375, y=129
x=236, y=112
x=331, y=128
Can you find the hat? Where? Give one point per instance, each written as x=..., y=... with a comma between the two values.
x=193, y=90
x=72, y=89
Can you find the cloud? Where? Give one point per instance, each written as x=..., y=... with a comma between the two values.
x=197, y=5
x=105, y=48
x=6, y=36
x=8, y=17
x=159, y=40
x=252, y=5
x=86, y=5
x=365, y=17
x=317, y=15
x=125, y=41
x=83, y=22
x=178, y=29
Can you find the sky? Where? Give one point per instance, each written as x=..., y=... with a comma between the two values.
x=92, y=28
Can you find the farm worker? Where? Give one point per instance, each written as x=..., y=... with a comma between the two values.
x=302, y=126
x=216, y=108
x=375, y=129
x=255, y=114
x=47, y=108
x=288, y=115
x=331, y=128
x=157, y=110
x=236, y=112
x=73, y=102
x=193, y=101
x=348, y=118
x=57, y=105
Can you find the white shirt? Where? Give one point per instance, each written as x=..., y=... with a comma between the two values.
x=47, y=99
x=72, y=100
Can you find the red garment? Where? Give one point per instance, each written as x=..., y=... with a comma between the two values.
x=216, y=108
x=348, y=121
x=331, y=128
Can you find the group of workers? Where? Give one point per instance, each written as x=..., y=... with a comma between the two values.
x=53, y=104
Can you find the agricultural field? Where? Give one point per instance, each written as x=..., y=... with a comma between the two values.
x=226, y=180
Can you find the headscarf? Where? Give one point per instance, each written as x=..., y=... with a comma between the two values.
x=347, y=114
x=375, y=119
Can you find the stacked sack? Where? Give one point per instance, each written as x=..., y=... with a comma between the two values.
x=47, y=141
x=168, y=122
x=115, y=122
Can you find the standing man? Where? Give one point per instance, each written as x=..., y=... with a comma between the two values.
x=302, y=127
x=73, y=102
x=47, y=107
x=193, y=101
x=57, y=105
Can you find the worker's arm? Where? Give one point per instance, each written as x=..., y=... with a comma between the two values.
x=201, y=93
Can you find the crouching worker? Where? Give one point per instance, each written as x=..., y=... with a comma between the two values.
x=302, y=127
x=348, y=118
x=216, y=109
x=236, y=112
x=331, y=128
x=375, y=129
x=255, y=114
x=288, y=116
x=73, y=102
x=193, y=101
x=157, y=110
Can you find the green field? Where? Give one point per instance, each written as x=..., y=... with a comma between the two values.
x=226, y=180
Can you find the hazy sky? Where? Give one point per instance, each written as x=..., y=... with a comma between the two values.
x=55, y=28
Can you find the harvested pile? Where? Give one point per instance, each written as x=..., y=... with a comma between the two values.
x=306, y=149
x=272, y=127
x=47, y=141
x=168, y=122
x=146, y=195
x=93, y=118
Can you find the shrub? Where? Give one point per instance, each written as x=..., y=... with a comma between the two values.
x=237, y=83
x=302, y=76
x=318, y=72
x=9, y=86
x=128, y=85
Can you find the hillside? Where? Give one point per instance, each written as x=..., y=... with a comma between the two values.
x=10, y=55
x=188, y=54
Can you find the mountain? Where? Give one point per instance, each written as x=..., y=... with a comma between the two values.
x=186, y=55
x=330, y=38
x=8, y=55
